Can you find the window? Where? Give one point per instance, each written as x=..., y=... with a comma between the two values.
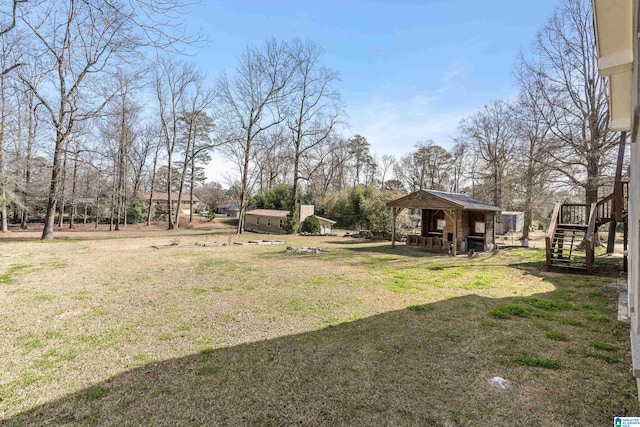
x=257, y=220
x=268, y=222
x=281, y=223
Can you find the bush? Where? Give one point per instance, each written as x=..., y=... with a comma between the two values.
x=311, y=224
x=211, y=214
x=137, y=211
x=292, y=221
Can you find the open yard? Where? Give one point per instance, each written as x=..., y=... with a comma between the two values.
x=101, y=328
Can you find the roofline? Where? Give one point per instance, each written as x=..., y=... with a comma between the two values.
x=434, y=193
x=427, y=192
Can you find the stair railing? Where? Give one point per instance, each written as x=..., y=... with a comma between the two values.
x=551, y=232
x=589, y=240
x=607, y=208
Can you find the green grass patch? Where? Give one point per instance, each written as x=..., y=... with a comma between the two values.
x=480, y=282
x=142, y=359
x=603, y=346
x=609, y=358
x=29, y=342
x=597, y=318
x=207, y=370
x=207, y=350
x=426, y=308
x=9, y=277
x=485, y=324
x=96, y=392
x=557, y=336
x=526, y=360
x=573, y=322
x=548, y=304
x=508, y=310
x=199, y=291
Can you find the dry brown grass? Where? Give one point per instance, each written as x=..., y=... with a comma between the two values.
x=102, y=329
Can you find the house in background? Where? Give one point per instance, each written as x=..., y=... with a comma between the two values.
x=228, y=208
x=272, y=220
x=159, y=201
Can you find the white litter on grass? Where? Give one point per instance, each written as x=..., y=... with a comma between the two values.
x=498, y=382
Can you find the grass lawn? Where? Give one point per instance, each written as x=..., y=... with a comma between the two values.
x=102, y=329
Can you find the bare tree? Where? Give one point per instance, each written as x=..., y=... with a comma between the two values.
x=537, y=165
x=172, y=82
x=250, y=105
x=426, y=167
x=79, y=45
x=386, y=164
x=316, y=107
x=564, y=71
x=458, y=156
x=491, y=134
x=196, y=140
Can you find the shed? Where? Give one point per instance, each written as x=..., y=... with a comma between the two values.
x=512, y=221
x=449, y=219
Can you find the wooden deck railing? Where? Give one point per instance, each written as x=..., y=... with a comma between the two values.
x=574, y=214
x=605, y=208
x=612, y=208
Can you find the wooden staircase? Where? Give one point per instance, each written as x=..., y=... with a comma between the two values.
x=571, y=237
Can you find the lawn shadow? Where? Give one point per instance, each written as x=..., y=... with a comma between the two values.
x=424, y=365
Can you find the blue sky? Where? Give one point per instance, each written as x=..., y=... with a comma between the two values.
x=410, y=70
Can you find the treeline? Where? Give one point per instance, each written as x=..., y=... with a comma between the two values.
x=99, y=107
x=551, y=142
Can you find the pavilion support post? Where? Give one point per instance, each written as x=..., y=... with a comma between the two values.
x=394, y=212
x=495, y=243
x=393, y=228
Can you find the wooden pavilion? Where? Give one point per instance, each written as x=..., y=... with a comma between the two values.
x=449, y=220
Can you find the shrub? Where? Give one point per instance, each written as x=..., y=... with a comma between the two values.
x=211, y=214
x=137, y=211
x=292, y=221
x=311, y=224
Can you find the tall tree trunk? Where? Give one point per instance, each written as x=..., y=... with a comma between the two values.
x=193, y=180
x=245, y=180
x=97, y=211
x=73, y=191
x=3, y=179
x=171, y=225
x=153, y=183
x=63, y=176
x=113, y=198
x=47, y=232
x=24, y=223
